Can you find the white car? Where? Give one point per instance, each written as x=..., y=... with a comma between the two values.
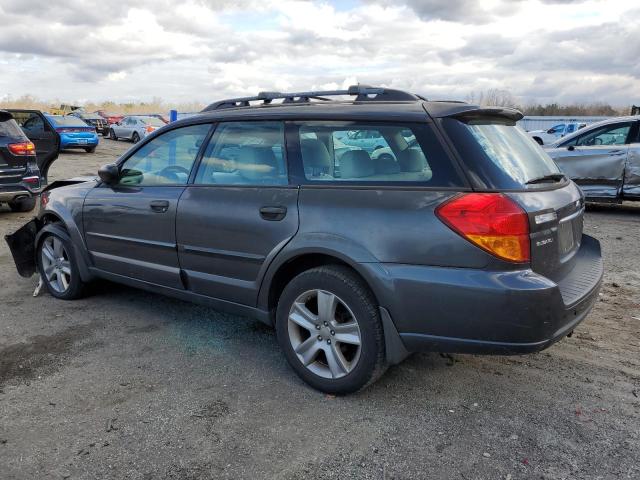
x=545, y=137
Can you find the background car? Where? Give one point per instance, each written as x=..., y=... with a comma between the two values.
x=74, y=133
x=111, y=118
x=135, y=127
x=19, y=174
x=39, y=129
x=603, y=158
x=93, y=119
x=545, y=137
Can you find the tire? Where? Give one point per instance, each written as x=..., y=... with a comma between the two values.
x=135, y=138
x=59, y=257
x=538, y=140
x=386, y=157
x=112, y=134
x=23, y=205
x=352, y=367
x=90, y=150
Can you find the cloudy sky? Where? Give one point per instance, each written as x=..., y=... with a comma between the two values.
x=201, y=50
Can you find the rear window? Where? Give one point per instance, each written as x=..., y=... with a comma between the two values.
x=499, y=155
x=67, y=121
x=11, y=129
x=153, y=121
x=374, y=153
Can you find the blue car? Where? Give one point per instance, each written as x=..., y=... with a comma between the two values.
x=74, y=133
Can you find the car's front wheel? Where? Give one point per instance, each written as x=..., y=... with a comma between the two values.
x=329, y=327
x=58, y=268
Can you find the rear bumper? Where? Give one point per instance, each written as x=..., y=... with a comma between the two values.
x=9, y=193
x=475, y=311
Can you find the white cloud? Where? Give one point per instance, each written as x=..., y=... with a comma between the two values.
x=201, y=50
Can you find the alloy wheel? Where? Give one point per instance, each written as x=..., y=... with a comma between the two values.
x=55, y=264
x=324, y=333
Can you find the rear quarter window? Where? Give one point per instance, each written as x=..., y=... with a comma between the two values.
x=366, y=153
x=10, y=129
x=499, y=155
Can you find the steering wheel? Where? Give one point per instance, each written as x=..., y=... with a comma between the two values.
x=171, y=172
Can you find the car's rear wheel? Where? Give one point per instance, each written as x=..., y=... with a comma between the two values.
x=135, y=137
x=58, y=268
x=329, y=327
x=112, y=134
x=538, y=140
x=90, y=150
x=23, y=205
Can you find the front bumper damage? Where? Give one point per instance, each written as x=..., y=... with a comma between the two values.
x=22, y=244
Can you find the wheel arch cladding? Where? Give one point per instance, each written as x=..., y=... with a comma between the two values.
x=60, y=228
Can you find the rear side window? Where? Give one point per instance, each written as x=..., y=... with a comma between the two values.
x=368, y=153
x=244, y=153
x=615, y=134
x=10, y=129
x=499, y=155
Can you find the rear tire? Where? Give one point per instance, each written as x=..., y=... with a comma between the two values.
x=58, y=268
x=135, y=138
x=338, y=349
x=112, y=134
x=538, y=140
x=90, y=150
x=23, y=205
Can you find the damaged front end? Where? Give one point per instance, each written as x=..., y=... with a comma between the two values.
x=22, y=244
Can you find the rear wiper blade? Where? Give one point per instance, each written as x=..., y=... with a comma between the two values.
x=554, y=177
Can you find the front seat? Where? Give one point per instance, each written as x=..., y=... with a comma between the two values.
x=316, y=159
x=258, y=164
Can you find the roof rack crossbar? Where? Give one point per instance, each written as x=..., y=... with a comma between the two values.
x=362, y=93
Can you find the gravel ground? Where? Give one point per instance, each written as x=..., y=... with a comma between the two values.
x=129, y=385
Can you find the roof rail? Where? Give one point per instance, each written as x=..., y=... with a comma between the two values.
x=362, y=93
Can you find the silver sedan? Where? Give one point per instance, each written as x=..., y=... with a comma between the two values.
x=603, y=158
x=135, y=127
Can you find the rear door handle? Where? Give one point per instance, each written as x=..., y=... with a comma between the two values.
x=273, y=213
x=160, y=206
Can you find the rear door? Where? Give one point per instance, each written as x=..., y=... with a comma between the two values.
x=596, y=159
x=130, y=226
x=43, y=135
x=238, y=213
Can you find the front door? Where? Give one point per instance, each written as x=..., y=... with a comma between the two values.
x=596, y=160
x=239, y=212
x=130, y=226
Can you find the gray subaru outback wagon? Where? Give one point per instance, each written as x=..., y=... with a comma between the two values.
x=463, y=237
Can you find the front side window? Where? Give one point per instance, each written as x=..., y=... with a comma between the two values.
x=165, y=160
x=333, y=152
x=244, y=153
x=615, y=134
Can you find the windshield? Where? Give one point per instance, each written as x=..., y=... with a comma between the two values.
x=153, y=121
x=498, y=154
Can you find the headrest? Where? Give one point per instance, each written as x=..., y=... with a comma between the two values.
x=386, y=164
x=256, y=162
x=315, y=153
x=356, y=164
x=412, y=160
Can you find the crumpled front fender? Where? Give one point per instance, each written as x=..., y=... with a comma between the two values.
x=22, y=244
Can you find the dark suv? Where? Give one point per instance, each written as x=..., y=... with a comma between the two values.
x=19, y=173
x=465, y=237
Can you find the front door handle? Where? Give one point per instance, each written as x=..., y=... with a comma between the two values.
x=273, y=213
x=160, y=206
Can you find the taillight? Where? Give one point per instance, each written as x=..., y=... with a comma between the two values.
x=22, y=148
x=149, y=129
x=492, y=221
x=34, y=181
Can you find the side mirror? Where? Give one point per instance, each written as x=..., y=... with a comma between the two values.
x=571, y=148
x=109, y=173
